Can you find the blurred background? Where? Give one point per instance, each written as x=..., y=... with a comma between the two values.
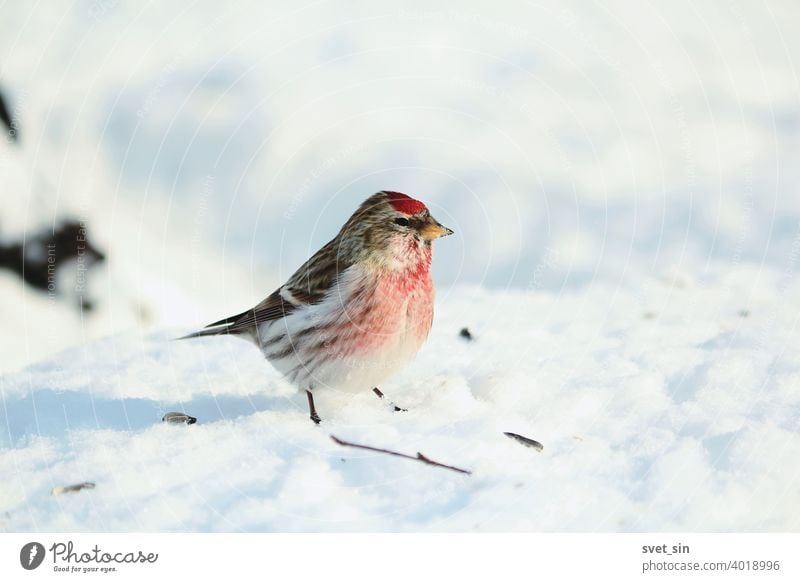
x=167, y=165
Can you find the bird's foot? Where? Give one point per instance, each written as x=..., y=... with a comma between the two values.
x=380, y=395
x=312, y=409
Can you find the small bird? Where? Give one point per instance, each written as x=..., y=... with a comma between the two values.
x=358, y=310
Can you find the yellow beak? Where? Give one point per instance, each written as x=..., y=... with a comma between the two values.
x=431, y=229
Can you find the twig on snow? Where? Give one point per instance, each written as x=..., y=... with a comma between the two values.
x=419, y=457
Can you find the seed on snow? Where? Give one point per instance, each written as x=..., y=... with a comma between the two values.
x=178, y=418
x=525, y=441
x=71, y=488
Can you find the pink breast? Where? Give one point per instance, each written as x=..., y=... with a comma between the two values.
x=401, y=301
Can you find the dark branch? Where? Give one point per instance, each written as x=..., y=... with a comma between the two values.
x=420, y=457
x=7, y=120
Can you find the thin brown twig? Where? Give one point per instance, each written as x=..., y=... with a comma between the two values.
x=419, y=457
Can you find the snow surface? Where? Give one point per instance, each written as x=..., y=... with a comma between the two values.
x=623, y=181
x=211, y=149
x=671, y=406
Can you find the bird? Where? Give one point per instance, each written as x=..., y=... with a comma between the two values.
x=358, y=310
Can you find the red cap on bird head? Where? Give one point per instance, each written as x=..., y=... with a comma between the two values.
x=403, y=203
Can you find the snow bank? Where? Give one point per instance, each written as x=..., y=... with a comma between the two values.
x=673, y=405
x=212, y=151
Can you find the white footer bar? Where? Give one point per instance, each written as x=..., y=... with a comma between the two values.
x=387, y=557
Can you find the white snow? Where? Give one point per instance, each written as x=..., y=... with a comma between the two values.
x=623, y=182
x=212, y=150
x=659, y=408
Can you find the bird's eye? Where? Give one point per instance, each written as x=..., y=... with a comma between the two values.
x=401, y=221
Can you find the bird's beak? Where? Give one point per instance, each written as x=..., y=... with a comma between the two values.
x=431, y=229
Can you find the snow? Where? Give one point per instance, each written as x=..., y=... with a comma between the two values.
x=622, y=180
x=659, y=408
x=211, y=151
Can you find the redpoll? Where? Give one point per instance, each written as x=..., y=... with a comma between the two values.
x=358, y=310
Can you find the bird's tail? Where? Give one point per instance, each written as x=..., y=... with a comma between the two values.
x=221, y=327
x=205, y=333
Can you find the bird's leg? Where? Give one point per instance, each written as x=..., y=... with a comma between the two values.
x=380, y=394
x=312, y=409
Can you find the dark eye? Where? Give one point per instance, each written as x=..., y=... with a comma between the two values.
x=401, y=221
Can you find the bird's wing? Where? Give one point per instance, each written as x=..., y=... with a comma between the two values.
x=307, y=286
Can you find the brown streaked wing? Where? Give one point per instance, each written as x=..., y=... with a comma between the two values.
x=308, y=286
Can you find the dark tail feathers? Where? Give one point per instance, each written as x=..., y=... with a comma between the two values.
x=221, y=327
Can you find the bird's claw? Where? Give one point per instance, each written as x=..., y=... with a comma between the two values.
x=312, y=409
x=380, y=395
